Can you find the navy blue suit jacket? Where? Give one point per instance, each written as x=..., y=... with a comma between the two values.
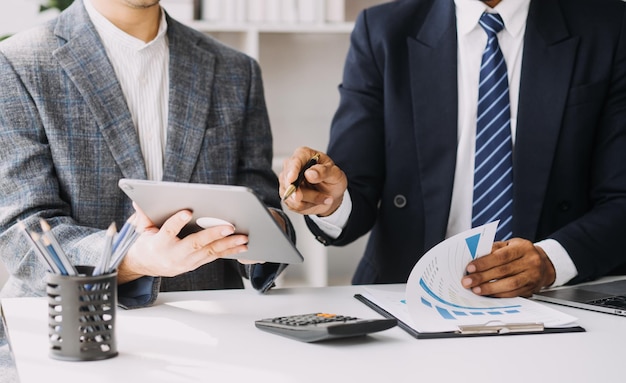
x=395, y=133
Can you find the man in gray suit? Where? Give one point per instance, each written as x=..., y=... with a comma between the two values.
x=117, y=89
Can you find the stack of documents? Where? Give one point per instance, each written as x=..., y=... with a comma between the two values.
x=435, y=301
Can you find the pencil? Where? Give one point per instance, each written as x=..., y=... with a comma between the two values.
x=45, y=241
x=105, y=258
x=120, y=252
x=54, y=245
x=122, y=234
x=38, y=248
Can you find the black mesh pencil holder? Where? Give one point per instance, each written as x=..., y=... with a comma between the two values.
x=81, y=315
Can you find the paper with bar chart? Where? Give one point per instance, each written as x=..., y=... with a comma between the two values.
x=438, y=302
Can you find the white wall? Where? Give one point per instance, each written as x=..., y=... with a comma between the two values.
x=16, y=15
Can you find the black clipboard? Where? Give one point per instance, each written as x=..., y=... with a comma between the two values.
x=474, y=331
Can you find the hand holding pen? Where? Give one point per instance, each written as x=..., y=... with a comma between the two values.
x=312, y=183
x=295, y=184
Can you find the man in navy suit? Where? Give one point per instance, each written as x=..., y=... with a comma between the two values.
x=400, y=159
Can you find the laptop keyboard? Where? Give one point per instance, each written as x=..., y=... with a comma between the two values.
x=617, y=302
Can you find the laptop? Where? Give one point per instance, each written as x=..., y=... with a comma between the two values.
x=606, y=297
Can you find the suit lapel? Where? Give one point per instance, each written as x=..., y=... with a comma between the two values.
x=433, y=70
x=191, y=81
x=91, y=72
x=548, y=62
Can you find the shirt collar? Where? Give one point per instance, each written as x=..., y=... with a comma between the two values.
x=108, y=31
x=513, y=12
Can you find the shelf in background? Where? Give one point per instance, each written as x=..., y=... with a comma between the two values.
x=208, y=26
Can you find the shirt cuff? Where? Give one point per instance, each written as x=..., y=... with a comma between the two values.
x=563, y=265
x=139, y=293
x=263, y=275
x=333, y=224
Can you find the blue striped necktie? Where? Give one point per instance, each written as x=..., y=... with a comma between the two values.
x=493, y=166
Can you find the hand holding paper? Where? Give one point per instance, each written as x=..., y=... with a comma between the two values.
x=513, y=268
x=438, y=302
x=436, y=305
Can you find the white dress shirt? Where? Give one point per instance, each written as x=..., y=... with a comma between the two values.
x=142, y=70
x=472, y=40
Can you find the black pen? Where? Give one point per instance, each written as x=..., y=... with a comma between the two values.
x=295, y=184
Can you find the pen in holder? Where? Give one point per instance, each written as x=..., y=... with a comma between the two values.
x=81, y=315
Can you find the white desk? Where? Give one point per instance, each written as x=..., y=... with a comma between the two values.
x=210, y=336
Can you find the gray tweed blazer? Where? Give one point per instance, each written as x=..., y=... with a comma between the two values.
x=66, y=138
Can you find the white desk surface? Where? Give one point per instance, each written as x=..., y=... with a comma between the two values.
x=210, y=336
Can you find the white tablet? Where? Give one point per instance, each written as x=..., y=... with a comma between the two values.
x=214, y=205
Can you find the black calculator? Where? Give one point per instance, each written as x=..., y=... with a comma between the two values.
x=316, y=327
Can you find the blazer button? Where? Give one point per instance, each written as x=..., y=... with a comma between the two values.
x=399, y=201
x=564, y=206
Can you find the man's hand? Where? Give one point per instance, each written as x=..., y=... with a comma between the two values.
x=159, y=252
x=514, y=268
x=322, y=190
